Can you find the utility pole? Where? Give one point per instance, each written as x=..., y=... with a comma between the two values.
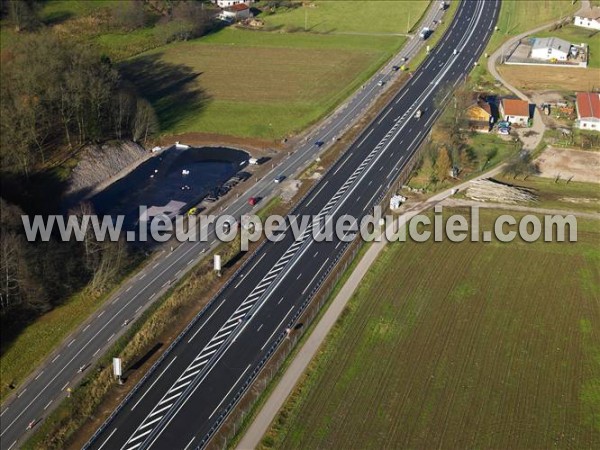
x=305, y=18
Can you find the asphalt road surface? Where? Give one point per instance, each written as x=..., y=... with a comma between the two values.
x=50, y=383
x=191, y=390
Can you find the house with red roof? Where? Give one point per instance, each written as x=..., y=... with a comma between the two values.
x=515, y=111
x=588, y=111
x=239, y=11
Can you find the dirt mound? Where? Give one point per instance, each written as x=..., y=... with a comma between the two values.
x=100, y=165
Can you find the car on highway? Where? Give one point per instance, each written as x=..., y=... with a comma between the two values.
x=319, y=143
x=252, y=201
x=418, y=114
x=380, y=83
x=279, y=179
x=395, y=68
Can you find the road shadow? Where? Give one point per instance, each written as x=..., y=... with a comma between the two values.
x=140, y=362
x=172, y=89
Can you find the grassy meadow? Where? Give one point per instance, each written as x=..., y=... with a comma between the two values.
x=256, y=84
x=468, y=345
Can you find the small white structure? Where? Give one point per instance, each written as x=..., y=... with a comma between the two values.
x=588, y=111
x=588, y=19
x=396, y=201
x=237, y=12
x=185, y=172
x=551, y=48
x=253, y=161
x=229, y=3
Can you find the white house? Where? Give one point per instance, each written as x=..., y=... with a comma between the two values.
x=551, y=48
x=229, y=3
x=588, y=19
x=588, y=111
x=514, y=111
x=237, y=12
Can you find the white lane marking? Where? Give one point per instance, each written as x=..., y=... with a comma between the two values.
x=12, y=445
x=384, y=116
x=138, y=308
x=101, y=314
x=63, y=388
x=155, y=265
x=277, y=328
x=229, y=392
x=189, y=443
x=317, y=193
x=109, y=436
x=48, y=404
x=142, y=276
x=190, y=262
x=259, y=328
x=155, y=381
x=70, y=343
x=280, y=300
x=298, y=277
x=97, y=351
x=159, y=411
x=111, y=336
x=55, y=358
x=402, y=96
x=316, y=275
x=129, y=288
x=38, y=375
x=365, y=138
x=88, y=325
x=206, y=321
x=21, y=393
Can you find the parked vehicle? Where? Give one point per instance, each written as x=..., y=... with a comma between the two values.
x=425, y=33
x=504, y=131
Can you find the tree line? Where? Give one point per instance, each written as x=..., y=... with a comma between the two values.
x=55, y=93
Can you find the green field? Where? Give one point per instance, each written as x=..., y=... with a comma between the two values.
x=465, y=345
x=349, y=16
x=577, y=35
x=255, y=84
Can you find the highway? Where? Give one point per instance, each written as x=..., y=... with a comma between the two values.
x=189, y=393
x=48, y=385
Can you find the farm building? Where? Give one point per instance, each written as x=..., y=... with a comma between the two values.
x=480, y=114
x=588, y=111
x=237, y=12
x=550, y=49
x=230, y=3
x=514, y=111
x=588, y=19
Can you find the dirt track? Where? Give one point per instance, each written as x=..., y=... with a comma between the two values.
x=579, y=164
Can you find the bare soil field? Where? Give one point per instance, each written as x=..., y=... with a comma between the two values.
x=580, y=165
x=532, y=78
x=466, y=345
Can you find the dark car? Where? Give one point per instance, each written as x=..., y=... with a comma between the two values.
x=319, y=143
x=396, y=68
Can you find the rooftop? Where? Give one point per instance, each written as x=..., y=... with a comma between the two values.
x=515, y=107
x=588, y=104
x=591, y=13
x=552, y=42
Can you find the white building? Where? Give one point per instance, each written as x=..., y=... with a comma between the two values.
x=549, y=49
x=241, y=11
x=588, y=111
x=229, y=3
x=588, y=19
